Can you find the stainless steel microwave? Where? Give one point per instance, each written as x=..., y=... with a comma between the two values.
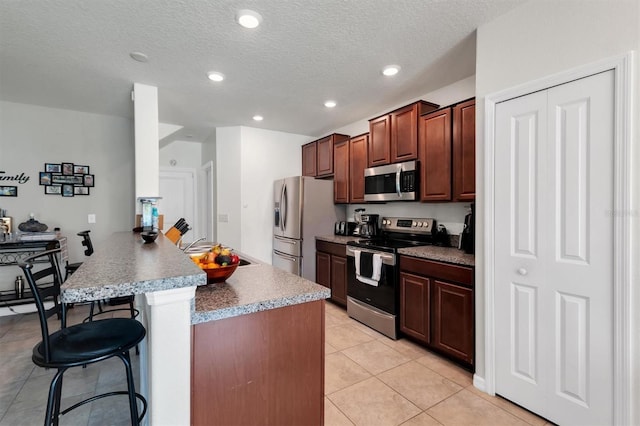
x=394, y=182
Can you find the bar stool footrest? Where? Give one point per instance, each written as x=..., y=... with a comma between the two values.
x=104, y=395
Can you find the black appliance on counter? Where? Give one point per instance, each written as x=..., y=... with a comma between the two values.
x=344, y=228
x=468, y=236
x=378, y=305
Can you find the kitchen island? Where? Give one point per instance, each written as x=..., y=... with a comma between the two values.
x=255, y=340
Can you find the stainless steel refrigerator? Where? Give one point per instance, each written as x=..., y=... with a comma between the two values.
x=303, y=209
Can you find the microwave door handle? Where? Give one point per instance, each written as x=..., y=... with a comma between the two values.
x=398, y=172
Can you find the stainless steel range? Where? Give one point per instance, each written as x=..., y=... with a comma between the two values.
x=375, y=302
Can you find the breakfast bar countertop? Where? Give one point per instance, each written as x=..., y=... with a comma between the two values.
x=123, y=265
x=254, y=288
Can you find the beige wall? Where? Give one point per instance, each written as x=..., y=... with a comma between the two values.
x=536, y=40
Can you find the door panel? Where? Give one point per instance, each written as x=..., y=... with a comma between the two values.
x=524, y=332
x=554, y=265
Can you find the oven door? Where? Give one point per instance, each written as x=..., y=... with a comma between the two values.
x=384, y=296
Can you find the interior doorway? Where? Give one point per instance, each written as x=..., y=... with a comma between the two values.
x=178, y=191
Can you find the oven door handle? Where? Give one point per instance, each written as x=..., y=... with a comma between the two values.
x=387, y=258
x=398, y=173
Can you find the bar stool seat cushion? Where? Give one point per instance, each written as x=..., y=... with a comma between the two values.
x=90, y=342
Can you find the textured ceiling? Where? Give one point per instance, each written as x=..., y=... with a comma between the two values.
x=74, y=54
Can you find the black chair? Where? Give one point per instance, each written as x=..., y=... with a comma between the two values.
x=130, y=300
x=80, y=344
x=70, y=268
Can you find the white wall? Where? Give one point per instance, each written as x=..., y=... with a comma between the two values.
x=228, y=186
x=185, y=154
x=249, y=160
x=538, y=39
x=31, y=136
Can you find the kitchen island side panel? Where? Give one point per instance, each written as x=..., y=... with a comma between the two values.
x=261, y=368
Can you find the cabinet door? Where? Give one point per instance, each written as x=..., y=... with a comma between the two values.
x=341, y=172
x=414, y=306
x=325, y=156
x=323, y=269
x=404, y=134
x=357, y=163
x=453, y=320
x=309, y=155
x=380, y=141
x=435, y=156
x=339, y=279
x=464, y=151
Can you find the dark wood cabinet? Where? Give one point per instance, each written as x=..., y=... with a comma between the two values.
x=436, y=306
x=404, y=134
x=331, y=269
x=309, y=155
x=323, y=269
x=453, y=320
x=464, y=151
x=339, y=279
x=415, y=302
x=393, y=137
x=325, y=156
x=358, y=147
x=341, y=172
x=435, y=155
x=317, y=156
x=379, y=141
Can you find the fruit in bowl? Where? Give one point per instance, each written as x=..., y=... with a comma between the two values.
x=219, y=263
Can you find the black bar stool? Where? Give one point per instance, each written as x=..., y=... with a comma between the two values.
x=80, y=344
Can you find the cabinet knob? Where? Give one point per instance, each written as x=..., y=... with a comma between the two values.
x=522, y=271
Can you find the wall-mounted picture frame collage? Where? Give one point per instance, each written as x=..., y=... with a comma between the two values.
x=66, y=179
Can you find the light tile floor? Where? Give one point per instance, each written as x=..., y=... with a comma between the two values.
x=370, y=380
x=24, y=386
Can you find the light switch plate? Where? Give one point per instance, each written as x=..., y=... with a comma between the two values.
x=223, y=217
x=91, y=218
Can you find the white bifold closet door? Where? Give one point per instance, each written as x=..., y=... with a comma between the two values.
x=554, y=251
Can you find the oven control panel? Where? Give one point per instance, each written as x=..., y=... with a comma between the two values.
x=408, y=224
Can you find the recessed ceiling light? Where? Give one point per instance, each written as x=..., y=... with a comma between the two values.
x=215, y=76
x=258, y=117
x=139, y=56
x=330, y=104
x=390, y=70
x=248, y=18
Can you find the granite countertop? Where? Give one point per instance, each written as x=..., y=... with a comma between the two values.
x=442, y=254
x=339, y=239
x=253, y=288
x=122, y=265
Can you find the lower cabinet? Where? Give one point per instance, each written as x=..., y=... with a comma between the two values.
x=331, y=269
x=436, y=306
x=415, y=299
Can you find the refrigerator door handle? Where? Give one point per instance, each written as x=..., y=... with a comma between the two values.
x=285, y=203
x=286, y=257
x=286, y=240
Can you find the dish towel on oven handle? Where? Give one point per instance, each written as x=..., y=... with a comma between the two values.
x=362, y=262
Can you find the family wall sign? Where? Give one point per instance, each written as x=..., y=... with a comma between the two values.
x=65, y=179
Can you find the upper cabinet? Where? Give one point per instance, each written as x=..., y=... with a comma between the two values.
x=349, y=162
x=393, y=137
x=317, y=156
x=309, y=159
x=464, y=151
x=435, y=156
x=447, y=148
x=358, y=150
x=341, y=172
